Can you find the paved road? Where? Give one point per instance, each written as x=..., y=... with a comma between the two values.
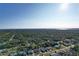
x=8, y=40
x=1, y=50
x=12, y=37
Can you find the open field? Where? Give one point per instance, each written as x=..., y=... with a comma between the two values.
x=39, y=42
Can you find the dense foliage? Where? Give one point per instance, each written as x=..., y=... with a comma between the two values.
x=46, y=42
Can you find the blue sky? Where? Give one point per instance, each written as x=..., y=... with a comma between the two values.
x=64, y=15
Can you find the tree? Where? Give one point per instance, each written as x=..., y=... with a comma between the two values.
x=76, y=48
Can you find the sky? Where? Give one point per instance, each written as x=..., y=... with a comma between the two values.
x=39, y=15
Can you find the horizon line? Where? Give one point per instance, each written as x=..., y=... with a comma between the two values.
x=39, y=28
